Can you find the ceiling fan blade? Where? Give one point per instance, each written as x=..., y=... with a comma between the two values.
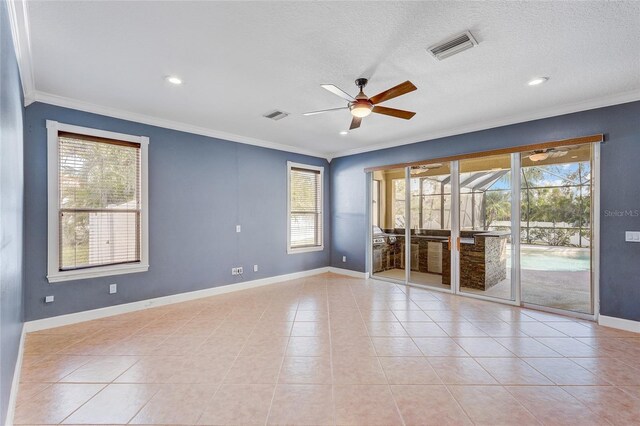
x=355, y=123
x=394, y=92
x=399, y=113
x=338, y=91
x=324, y=110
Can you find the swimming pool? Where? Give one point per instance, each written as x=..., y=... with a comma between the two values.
x=546, y=258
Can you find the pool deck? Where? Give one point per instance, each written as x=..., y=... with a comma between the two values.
x=560, y=289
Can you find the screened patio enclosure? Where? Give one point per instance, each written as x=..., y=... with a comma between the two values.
x=555, y=223
x=433, y=211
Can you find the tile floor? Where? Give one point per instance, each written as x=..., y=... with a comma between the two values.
x=332, y=350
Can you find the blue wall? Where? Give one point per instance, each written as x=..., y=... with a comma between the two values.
x=11, y=201
x=620, y=177
x=200, y=188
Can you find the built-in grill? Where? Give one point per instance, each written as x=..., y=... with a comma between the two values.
x=385, y=250
x=380, y=238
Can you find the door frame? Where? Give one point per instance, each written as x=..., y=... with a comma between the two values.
x=516, y=291
x=515, y=232
x=595, y=246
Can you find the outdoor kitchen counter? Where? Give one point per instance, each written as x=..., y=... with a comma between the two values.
x=483, y=260
x=483, y=263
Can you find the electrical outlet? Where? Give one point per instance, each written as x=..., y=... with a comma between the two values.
x=239, y=268
x=113, y=288
x=234, y=271
x=48, y=299
x=255, y=268
x=632, y=236
x=344, y=258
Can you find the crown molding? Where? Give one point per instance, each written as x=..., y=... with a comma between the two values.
x=618, y=98
x=19, y=23
x=65, y=102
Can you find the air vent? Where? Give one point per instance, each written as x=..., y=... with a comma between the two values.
x=276, y=115
x=453, y=45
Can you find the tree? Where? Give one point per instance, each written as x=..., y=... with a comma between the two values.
x=497, y=207
x=556, y=195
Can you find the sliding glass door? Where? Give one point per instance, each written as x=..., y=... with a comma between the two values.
x=513, y=227
x=430, y=225
x=485, y=243
x=388, y=223
x=556, y=221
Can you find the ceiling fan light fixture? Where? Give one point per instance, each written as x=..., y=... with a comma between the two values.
x=361, y=109
x=539, y=156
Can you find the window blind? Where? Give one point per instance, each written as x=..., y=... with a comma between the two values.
x=100, y=201
x=305, y=194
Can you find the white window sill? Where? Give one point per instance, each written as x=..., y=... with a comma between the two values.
x=99, y=271
x=304, y=249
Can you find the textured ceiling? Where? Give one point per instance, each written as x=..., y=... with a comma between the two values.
x=240, y=60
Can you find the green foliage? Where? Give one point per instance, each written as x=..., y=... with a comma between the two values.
x=550, y=194
x=552, y=236
x=497, y=206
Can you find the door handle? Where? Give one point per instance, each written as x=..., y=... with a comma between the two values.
x=458, y=244
x=449, y=242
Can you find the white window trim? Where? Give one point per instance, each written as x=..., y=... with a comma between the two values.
x=53, y=254
x=290, y=165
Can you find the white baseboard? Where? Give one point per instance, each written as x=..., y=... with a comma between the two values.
x=619, y=323
x=13, y=393
x=61, y=320
x=349, y=272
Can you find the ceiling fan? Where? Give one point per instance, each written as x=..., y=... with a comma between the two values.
x=361, y=105
x=543, y=154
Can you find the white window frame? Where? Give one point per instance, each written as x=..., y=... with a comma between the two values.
x=291, y=250
x=54, y=274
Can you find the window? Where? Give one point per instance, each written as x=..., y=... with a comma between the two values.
x=97, y=203
x=304, y=207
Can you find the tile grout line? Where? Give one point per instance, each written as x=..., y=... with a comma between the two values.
x=275, y=388
x=384, y=373
x=106, y=384
x=84, y=403
x=333, y=393
x=471, y=357
x=221, y=380
x=158, y=390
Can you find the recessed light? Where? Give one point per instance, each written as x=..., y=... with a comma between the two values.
x=538, y=80
x=344, y=132
x=173, y=80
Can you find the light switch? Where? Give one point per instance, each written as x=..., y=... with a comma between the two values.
x=113, y=288
x=48, y=299
x=632, y=236
x=238, y=228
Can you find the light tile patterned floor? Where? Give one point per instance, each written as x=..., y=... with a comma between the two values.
x=332, y=350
